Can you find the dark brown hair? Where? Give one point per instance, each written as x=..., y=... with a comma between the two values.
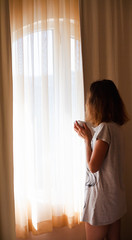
x=105, y=104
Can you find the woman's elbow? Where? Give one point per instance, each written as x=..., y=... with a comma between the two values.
x=92, y=169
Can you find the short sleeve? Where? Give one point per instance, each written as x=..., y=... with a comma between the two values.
x=103, y=133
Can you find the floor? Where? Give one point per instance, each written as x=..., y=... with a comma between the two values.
x=76, y=233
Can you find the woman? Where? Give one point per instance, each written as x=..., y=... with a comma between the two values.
x=105, y=202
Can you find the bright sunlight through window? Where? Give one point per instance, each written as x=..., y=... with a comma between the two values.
x=49, y=160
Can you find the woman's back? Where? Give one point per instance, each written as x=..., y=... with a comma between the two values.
x=105, y=196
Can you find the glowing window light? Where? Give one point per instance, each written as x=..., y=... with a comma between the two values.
x=60, y=199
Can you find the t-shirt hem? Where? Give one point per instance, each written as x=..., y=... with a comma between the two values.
x=104, y=223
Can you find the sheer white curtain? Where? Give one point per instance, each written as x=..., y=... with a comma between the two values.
x=49, y=159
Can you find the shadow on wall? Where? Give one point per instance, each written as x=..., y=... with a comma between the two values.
x=125, y=86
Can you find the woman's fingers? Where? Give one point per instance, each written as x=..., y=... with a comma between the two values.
x=76, y=125
x=83, y=132
x=78, y=129
x=85, y=125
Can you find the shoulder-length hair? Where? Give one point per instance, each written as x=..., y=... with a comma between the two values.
x=104, y=103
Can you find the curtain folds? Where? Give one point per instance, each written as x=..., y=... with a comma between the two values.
x=7, y=213
x=106, y=35
x=104, y=42
x=48, y=97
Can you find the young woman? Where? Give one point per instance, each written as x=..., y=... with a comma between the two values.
x=105, y=202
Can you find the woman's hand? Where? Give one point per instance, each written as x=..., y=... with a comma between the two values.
x=83, y=132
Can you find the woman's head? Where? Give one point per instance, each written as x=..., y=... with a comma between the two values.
x=104, y=104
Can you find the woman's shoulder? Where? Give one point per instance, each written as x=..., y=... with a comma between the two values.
x=102, y=125
x=114, y=130
x=102, y=132
x=108, y=125
x=106, y=130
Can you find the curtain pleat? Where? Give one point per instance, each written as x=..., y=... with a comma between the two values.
x=7, y=213
x=103, y=35
x=106, y=35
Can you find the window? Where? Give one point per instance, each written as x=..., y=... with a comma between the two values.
x=49, y=160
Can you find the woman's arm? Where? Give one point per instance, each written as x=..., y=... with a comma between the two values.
x=94, y=158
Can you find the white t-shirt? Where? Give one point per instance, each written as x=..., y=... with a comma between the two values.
x=105, y=200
